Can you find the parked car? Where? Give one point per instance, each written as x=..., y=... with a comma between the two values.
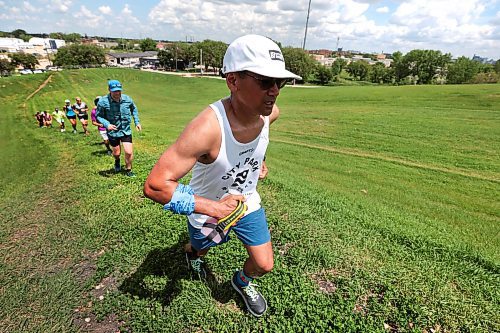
x=25, y=71
x=38, y=71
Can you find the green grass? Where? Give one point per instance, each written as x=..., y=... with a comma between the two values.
x=382, y=202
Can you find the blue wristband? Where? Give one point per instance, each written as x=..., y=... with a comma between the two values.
x=182, y=201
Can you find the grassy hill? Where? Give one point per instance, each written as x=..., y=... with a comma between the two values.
x=382, y=202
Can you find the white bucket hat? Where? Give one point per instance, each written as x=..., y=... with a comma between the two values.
x=257, y=54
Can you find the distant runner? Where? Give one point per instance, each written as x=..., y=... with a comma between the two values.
x=81, y=109
x=70, y=114
x=115, y=111
x=47, y=119
x=58, y=115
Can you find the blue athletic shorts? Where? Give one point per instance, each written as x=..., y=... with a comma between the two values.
x=252, y=230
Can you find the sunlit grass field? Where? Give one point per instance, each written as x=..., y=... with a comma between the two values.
x=383, y=204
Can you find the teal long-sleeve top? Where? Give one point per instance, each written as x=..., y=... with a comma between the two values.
x=117, y=113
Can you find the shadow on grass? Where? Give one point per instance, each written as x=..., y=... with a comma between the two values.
x=99, y=153
x=159, y=277
x=108, y=173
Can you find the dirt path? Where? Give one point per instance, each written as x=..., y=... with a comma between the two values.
x=39, y=88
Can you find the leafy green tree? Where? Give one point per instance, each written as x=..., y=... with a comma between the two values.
x=462, y=70
x=23, y=59
x=298, y=61
x=21, y=34
x=56, y=35
x=79, y=55
x=486, y=68
x=497, y=66
x=338, y=65
x=72, y=37
x=182, y=52
x=148, y=45
x=398, y=67
x=390, y=75
x=323, y=74
x=378, y=73
x=166, y=58
x=6, y=67
x=359, y=70
x=489, y=77
x=425, y=64
x=213, y=53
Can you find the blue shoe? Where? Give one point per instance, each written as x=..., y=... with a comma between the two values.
x=130, y=174
x=118, y=168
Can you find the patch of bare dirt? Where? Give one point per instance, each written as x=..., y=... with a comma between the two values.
x=86, y=321
x=324, y=281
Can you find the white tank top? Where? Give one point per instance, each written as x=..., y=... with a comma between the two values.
x=235, y=170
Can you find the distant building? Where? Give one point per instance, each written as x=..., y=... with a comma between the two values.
x=358, y=57
x=323, y=60
x=129, y=59
x=13, y=45
x=483, y=60
x=47, y=43
x=108, y=45
x=90, y=41
x=323, y=52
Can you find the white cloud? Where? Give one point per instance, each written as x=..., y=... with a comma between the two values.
x=126, y=10
x=382, y=10
x=105, y=10
x=61, y=6
x=444, y=23
x=85, y=15
x=28, y=7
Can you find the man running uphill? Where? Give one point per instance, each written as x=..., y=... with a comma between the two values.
x=225, y=147
x=115, y=112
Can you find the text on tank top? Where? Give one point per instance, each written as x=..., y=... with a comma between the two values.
x=235, y=170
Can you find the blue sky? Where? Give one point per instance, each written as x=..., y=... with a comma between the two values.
x=460, y=27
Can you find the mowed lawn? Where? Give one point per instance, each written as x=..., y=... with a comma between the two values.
x=383, y=204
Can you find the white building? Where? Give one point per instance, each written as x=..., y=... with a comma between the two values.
x=129, y=59
x=13, y=44
x=47, y=43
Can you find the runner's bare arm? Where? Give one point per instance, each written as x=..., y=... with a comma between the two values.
x=200, y=140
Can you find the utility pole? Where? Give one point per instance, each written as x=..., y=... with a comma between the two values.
x=307, y=23
x=201, y=61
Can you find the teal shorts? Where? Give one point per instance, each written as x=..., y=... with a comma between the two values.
x=252, y=230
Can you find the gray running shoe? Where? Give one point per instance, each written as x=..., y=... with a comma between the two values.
x=130, y=174
x=254, y=301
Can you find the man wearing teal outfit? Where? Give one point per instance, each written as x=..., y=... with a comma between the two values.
x=115, y=111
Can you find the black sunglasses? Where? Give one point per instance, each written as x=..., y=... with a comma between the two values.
x=267, y=83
